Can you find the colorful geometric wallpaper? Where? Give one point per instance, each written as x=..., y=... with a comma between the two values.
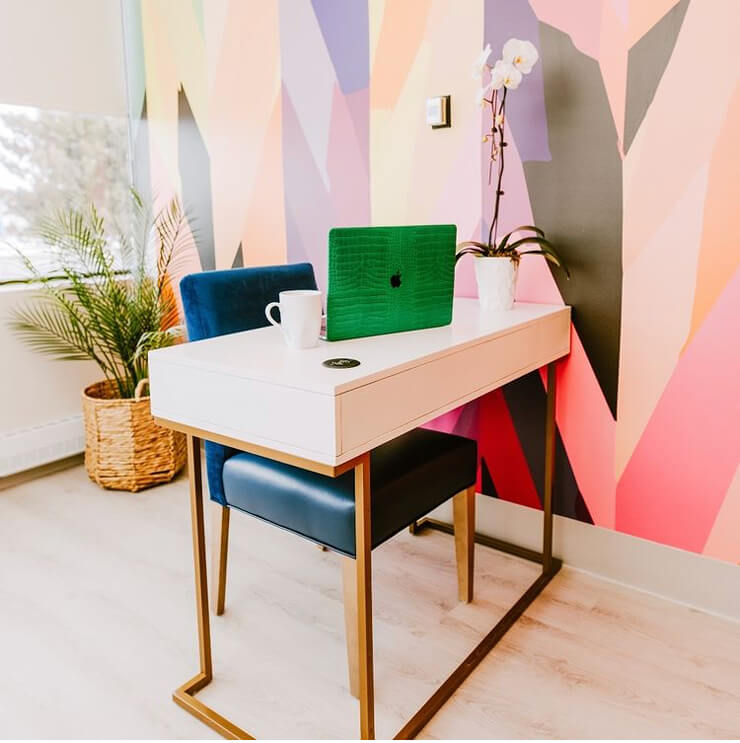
x=276, y=120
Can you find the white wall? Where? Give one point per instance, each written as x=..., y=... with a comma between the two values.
x=695, y=580
x=40, y=408
x=64, y=55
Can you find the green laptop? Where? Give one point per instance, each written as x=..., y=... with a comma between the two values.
x=389, y=279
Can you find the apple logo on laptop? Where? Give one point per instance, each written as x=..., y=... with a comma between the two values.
x=396, y=280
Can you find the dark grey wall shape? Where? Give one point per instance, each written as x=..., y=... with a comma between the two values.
x=140, y=156
x=577, y=199
x=527, y=403
x=486, y=481
x=646, y=63
x=195, y=174
x=238, y=261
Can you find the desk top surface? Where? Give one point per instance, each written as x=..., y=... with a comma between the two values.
x=262, y=354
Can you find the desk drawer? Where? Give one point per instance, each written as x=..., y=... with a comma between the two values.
x=378, y=411
x=294, y=421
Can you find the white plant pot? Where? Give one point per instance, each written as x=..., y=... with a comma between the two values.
x=496, y=277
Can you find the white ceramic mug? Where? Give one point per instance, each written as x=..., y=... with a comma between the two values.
x=300, y=317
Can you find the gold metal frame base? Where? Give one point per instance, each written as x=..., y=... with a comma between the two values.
x=430, y=708
x=184, y=696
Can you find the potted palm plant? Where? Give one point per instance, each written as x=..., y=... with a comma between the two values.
x=497, y=260
x=112, y=301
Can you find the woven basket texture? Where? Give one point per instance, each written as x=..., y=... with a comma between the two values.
x=124, y=448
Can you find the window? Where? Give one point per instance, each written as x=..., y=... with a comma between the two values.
x=51, y=160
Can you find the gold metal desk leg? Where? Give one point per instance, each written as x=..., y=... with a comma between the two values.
x=549, y=469
x=550, y=567
x=363, y=565
x=184, y=694
x=199, y=557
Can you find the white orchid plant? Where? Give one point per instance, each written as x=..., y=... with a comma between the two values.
x=517, y=60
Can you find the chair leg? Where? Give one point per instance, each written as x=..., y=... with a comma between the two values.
x=219, y=553
x=463, y=509
x=349, y=590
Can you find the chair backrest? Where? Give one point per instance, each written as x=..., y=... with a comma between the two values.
x=221, y=302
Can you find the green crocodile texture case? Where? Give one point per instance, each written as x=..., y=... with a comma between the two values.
x=389, y=279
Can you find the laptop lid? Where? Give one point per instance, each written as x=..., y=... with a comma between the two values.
x=389, y=279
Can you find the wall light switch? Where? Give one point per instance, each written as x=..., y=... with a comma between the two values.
x=438, y=112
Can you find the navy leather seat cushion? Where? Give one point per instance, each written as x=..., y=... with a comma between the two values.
x=409, y=476
x=221, y=302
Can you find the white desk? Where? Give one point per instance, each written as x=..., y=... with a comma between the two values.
x=252, y=387
x=250, y=391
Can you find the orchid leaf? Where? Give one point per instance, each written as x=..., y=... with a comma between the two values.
x=473, y=243
x=546, y=248
x=532, y=240
x=471, y=250
x=550, y=256
x=526, y=227
x=471, y=247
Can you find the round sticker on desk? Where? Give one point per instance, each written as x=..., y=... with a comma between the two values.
x=341, y=363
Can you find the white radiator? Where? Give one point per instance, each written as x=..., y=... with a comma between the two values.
x=25, y=448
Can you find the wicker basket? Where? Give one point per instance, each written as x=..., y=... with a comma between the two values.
x=124, y=448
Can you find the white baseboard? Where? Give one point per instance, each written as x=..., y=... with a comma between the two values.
x=695, y=580
x=26, y=448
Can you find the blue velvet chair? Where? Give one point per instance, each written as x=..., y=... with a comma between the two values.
x=409, y=476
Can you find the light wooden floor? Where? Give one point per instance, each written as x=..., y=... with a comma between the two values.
x=97, y=627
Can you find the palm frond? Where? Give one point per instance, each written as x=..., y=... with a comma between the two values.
x=156, y=339
x=96, y=312
x=49, y=329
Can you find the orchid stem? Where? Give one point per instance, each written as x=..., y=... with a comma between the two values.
x=493, y=231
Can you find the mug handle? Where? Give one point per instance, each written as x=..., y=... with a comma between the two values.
x=268, y=313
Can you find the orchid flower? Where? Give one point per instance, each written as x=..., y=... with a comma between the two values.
x=481, y=63
x=522, y=55
x=518, y=59
x=497, y=75
x=480, y=96
x=505, y=74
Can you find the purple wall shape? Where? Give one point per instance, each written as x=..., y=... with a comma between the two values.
x=525, y=108
x=345, y=28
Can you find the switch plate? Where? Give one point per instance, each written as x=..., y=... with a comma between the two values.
x=438, y=112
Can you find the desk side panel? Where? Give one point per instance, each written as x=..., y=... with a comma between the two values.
x=290, y=420
x=377, y=412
